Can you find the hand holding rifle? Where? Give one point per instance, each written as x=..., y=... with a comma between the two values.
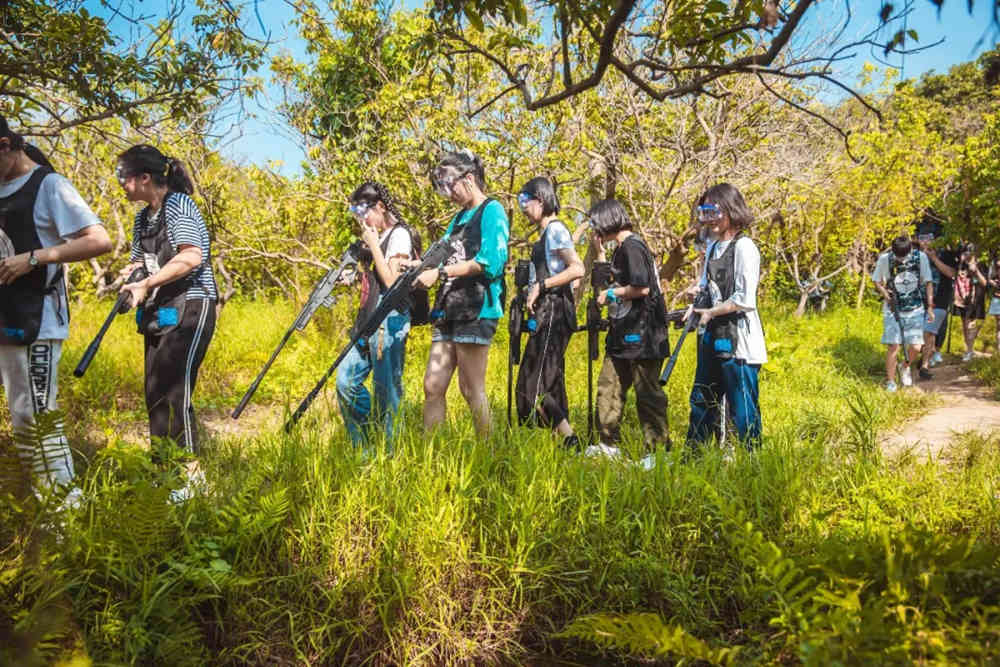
x=122, y=305
x=397, y=296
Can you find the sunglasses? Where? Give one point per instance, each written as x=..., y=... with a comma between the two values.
x=523, y=199
x=360, y=210
x=709, y=213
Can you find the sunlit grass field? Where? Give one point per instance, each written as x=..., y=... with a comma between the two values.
x=505, y=550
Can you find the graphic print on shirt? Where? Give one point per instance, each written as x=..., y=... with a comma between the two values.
x=906, y=281
x=6, y=245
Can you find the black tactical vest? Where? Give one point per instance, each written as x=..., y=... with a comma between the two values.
x=722, y=274
x=164, y=308
x=22, y=302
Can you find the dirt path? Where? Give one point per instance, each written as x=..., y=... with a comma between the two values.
x=966, y=405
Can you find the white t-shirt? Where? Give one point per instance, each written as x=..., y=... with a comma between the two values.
x=881, y=274
x=750, y=344
x=400, y=243
x=60, y=212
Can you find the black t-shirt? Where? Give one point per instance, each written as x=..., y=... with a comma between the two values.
x=944, y=287
x=635, y=331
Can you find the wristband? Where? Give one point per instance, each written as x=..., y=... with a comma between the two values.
x=442, y=275
x=542, y=289
x=611, y=295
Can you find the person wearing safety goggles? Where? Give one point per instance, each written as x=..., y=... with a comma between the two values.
x=636, y=343
x=468, y=304
x=44, y=223
x=731, y=345
x=391, y=243
x=176, y=300
x=541, y=383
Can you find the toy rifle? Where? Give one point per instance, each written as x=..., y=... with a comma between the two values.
x=397, y=296
x=322, y=295
x=600, y=278
x=122, y=305
x=701, y=301
x=516, y=326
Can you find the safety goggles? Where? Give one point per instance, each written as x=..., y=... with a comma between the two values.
x=523, y=199
x=709, y=213
x=925, y=238
x=122, y=174
x=360, y=210
x=444, y=184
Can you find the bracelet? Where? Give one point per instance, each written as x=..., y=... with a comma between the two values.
x=611, y=295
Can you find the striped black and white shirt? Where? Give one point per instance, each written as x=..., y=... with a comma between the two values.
x=185, y=226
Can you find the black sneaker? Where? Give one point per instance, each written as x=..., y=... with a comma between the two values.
x=925, y=374
x=573, y=443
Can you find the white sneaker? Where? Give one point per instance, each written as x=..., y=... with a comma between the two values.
x=906, y=376
x=968, y=356
x=648, y=462
x=600, y=449
x=72, y=499
x=936, y=359
x=890, y=386
x=195, y=482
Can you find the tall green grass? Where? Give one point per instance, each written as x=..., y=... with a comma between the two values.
x=464, y=550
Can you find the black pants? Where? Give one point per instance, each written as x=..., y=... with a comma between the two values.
x=172, y=362
x=541, y=379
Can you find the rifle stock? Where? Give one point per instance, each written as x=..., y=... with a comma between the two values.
x=394, y=297
x=322, y=295
x=122, y=306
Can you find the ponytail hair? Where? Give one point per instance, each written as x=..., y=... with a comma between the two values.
x=168, y=171
x=464, y=162
x=17, y=143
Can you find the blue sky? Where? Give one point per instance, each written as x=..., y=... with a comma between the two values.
x=261, y=136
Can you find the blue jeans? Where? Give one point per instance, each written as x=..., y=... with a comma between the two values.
x=383, y=358
x=738, y=382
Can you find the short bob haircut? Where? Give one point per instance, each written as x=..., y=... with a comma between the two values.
x=609, y=217
x=729, y=199
x=464, y=162
x=902, y=245
x=540, y=188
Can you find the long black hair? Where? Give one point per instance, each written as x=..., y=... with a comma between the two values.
x=464, y=162
x=168, y=171
x=17, y=143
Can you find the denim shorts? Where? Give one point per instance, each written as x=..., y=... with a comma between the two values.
x=913, y=327
x=940, y=315
x=994, y=306
x=477, y=332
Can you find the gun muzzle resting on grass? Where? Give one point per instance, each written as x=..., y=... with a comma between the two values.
x=515, y=326
x=701, y=301
x=322, y=295
x=122, y=305
x=392, y=299
x=600, y=278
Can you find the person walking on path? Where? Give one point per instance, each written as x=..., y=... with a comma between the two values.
x=902, y=277
x=44, y=223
